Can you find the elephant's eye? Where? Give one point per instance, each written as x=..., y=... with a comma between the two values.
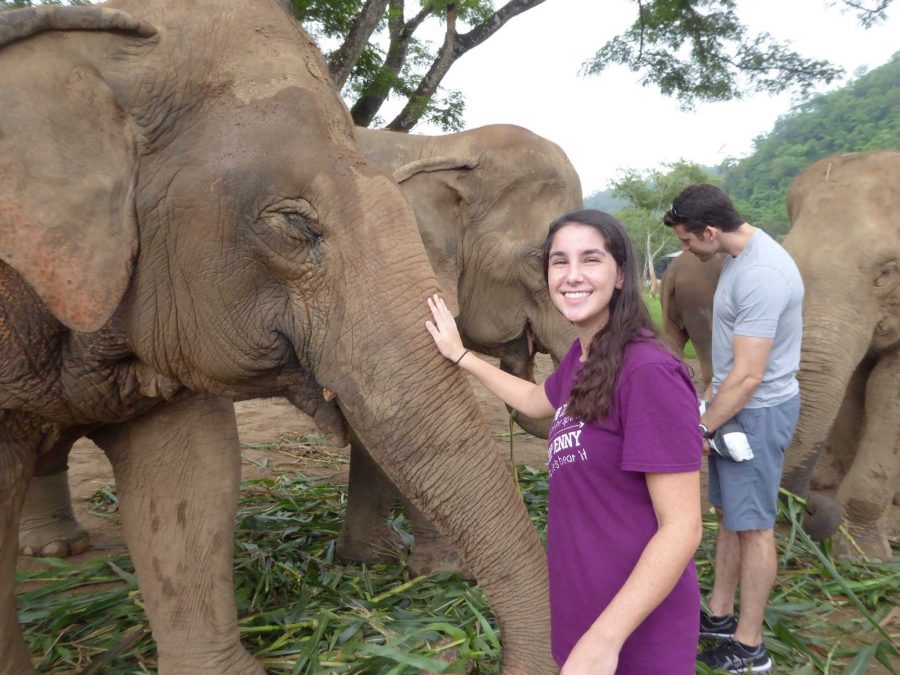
x=887, y=274
x=294, y=219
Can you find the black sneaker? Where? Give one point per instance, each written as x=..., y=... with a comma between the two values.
x=717, y=626
x=734, y=657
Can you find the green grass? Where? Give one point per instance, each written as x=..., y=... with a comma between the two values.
x=655, y=307
x=303, y=612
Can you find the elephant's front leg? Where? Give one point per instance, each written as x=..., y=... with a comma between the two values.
x=432, y=551
x=18, y=444
x=365, y=535
x=868, y=489
x=177, y=472
x=48, y=526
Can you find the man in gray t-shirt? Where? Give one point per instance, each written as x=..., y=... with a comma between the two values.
x=757, y=326
x=760, y=294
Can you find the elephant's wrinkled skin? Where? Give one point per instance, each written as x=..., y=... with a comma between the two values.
x=845, y=238
x=484, y=200
x=687, y=292
x=184, y=217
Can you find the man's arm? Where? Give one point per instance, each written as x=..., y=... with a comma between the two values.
x=750, y=357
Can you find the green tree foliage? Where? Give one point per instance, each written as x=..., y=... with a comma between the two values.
x=859, y=117
x=696, y=51
x=693, y=50
x=649, y=195
x=409, y=68
x=603, y=200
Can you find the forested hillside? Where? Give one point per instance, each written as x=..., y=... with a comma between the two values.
x=864, y=115
x=603, y=200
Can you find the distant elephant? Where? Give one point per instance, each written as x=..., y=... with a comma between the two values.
x=185, y=217
x=688, y=287
x=846, y=241
x=484, y=200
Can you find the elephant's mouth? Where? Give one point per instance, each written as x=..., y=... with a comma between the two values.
x=283, y=368
x=535, y=346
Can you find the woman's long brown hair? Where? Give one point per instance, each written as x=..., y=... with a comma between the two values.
x=592, y=394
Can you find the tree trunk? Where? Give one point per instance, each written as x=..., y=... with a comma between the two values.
x=342, y=61
x=651, y=270
x=368, y=105
x=454, y=46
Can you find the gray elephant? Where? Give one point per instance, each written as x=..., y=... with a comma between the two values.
x=687, y=292
x=186, y=218
x=483, y=200
x=846, y=241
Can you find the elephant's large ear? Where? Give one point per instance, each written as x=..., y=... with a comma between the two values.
x=67, y=170
x=440, y=197
x=433, y=164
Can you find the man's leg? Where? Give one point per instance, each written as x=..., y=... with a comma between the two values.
x=727, y=570
x=758, y=567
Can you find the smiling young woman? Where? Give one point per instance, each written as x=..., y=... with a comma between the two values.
x=623, y=457
x=581, y=277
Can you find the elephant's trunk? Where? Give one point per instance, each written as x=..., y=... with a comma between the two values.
x=833, y=345
x=518, y=359
x=418, y=417
x=548, y=332
x=440, y=456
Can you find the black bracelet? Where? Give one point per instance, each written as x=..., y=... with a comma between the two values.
x=456, y=363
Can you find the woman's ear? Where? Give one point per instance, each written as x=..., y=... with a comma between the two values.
x=620, y=278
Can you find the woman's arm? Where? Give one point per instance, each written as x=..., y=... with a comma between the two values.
x=526, y=397
x=676, y=501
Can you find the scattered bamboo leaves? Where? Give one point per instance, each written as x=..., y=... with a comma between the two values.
x=303, y=612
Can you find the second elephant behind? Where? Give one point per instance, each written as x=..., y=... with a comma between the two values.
x=484, y=200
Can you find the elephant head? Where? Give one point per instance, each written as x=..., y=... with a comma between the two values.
x=484, y=200
x=686, y=295
x=186, y=175
x=845, y=239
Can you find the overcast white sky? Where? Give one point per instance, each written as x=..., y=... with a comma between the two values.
x=527, y=74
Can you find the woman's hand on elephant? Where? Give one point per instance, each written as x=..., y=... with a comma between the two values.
x=443, y=330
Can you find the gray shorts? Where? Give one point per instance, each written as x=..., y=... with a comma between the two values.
x=747, y=492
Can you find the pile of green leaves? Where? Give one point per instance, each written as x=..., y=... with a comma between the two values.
x=303, y=612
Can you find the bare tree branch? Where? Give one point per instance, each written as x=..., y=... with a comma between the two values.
x=368, y=105
x=342, y=61
x=454, y=46
x=869, y=16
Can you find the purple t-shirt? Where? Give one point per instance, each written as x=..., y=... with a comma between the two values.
x=600, y=516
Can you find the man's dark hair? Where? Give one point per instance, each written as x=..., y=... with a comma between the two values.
x=702, y=205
